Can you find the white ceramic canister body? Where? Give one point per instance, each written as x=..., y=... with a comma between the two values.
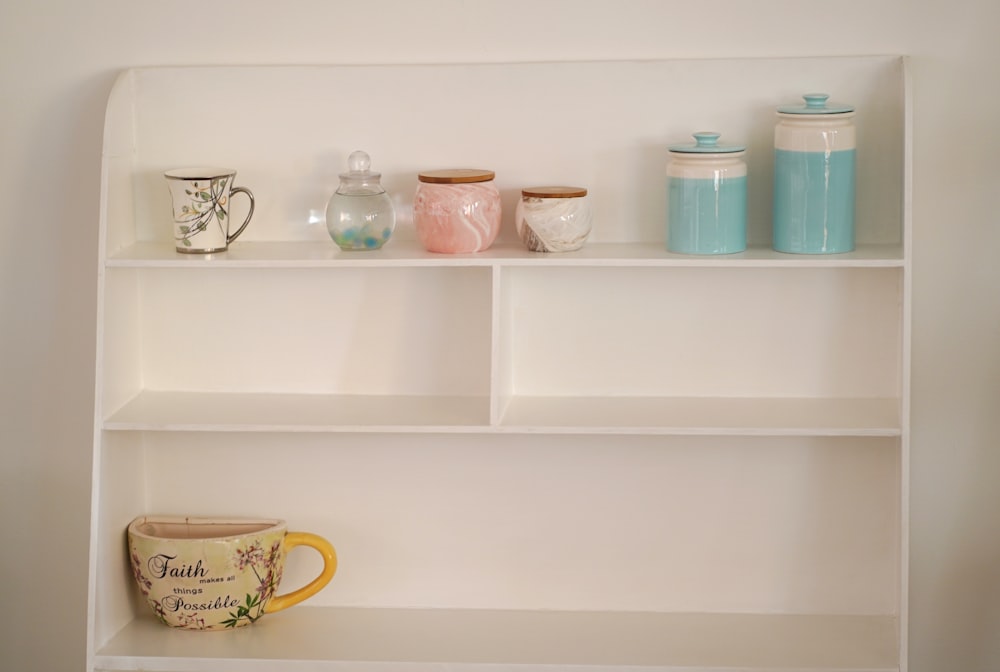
x=814, y=177
x=553, y=219
x=707, y=197
x=456, y=211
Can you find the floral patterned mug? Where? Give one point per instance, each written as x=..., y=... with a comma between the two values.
x=201, y=208
x=214, y=574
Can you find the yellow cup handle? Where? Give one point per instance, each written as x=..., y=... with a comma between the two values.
x=325, y=548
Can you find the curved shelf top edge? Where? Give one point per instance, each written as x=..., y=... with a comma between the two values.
x=125, y=74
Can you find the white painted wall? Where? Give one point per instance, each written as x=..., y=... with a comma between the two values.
x=58, y=59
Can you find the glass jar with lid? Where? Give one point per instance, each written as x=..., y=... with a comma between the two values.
x=360, y=215
x=707, y=197
x=457, y=211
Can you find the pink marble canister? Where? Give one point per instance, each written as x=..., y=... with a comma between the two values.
x=456, y=211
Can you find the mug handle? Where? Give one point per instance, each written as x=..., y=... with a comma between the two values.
x=325, y=548
x=241, y=190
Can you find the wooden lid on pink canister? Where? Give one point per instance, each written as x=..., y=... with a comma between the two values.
x=456, y=176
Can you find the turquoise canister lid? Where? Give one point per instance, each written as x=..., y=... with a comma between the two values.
x=706, y=142
x=816, y=103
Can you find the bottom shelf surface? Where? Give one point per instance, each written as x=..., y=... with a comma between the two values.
x=439, y=640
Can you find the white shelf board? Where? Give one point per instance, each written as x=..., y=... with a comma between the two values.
x=322, y=254
x=762, y=416
x=445, y=640
x=153, y=410
x=261, y=412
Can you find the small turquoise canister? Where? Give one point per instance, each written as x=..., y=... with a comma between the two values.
x=814, y=158
x=707, y=197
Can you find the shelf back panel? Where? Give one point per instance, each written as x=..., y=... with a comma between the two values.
x=347, y=331
x=688, y=524
x=704, y=333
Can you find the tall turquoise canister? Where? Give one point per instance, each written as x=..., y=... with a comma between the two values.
x=814, y=183
x=707, y=197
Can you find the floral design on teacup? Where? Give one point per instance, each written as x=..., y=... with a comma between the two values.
x=207, y=202
x=268, y=570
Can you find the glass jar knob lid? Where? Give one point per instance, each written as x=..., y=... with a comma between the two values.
x=359, y=166
x=359, y=178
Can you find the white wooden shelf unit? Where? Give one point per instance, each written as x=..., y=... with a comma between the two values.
x=618, y=457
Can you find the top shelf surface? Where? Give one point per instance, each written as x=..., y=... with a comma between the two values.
x=300, y=254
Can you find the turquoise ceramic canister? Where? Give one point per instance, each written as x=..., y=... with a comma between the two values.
x=814, y=182
x=706, y=197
